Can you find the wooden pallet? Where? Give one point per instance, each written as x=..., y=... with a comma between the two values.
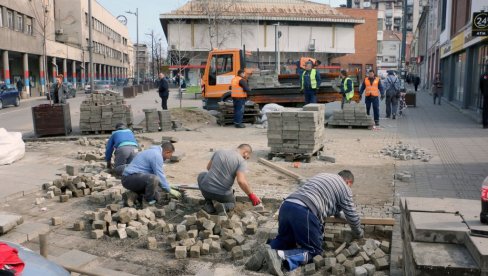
x=97, y=132
x=292, y=157
x=226, y=116
x=350, y=126
x=230, y=120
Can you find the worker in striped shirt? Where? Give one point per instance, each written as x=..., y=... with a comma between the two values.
x=301, y=219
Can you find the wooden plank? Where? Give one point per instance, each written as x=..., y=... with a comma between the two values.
x=365, y=220
x=281, y=169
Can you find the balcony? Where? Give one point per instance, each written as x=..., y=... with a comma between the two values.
x=389, y=13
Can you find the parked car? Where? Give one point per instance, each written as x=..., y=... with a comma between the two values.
x=70, y=94
x=9, y=95
x=99, y=85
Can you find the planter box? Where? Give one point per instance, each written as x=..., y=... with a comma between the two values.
x=51, y=119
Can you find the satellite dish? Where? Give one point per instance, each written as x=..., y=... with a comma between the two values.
x=122, y=19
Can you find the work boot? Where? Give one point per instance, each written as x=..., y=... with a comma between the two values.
x=273, y=261
x=220, y=209
x=209, y=208
x=256, y=262
x=394, y=117
x=240, y=126
x=130, y=198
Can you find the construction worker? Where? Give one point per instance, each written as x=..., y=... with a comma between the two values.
x=145, y=173
x=347, y=88
x=124, y=143
x=223, y=168
x=373, y=89
x=239, y=89
x=310, y=81
x=301, y=219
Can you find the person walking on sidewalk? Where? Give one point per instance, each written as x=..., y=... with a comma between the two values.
x=437, y=87
x=301, y=219
x=484, y=93
x=224, y=167
x=416, y=82
x=145, y=173
x=20, y=85
x=124, y=143
x=392, y=88
x=347, y=88
x=239, y=89
x=373, y=89
x=163, y=90
x=310, y=80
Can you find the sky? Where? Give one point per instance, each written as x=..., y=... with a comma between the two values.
x=149, y=11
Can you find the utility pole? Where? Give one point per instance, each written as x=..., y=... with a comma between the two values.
x=277, y=47
x=404, y=37
x=160, y=55
x=152, y=53
x=90, y=45
x=137, y=42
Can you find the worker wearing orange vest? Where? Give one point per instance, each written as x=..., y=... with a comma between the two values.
x=372, y=89
x=239, y=89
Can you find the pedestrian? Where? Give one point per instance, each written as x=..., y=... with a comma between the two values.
x=20, y=85
x=124, y=143
x=59, y=92
x=145, y=173
x=392, y=88
x=239, y=89
x=416, y=82
x=163, y=90
x=484, y=93
x=373, y=90
x=224, y=168
x=437, y=87
x=310, y=80
x=347, y=88
x=301, y=219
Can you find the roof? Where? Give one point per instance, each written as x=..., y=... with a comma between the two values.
x=277, y=10
x=389, y=35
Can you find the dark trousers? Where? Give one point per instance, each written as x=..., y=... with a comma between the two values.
x=375, y=101
x=391, y=105
x=238, y=110
x=164, y=102
x=437, y=96
x=344, y=101
x=123, y=157
x=142, y=184
x=485, y=111
x=298, y=226
x=228, y=198
x=310, y=96
x=416, y=86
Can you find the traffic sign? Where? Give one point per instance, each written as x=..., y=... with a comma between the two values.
x=479, y=26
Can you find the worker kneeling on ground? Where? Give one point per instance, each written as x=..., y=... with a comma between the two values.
x=301, y=219
x=145, y=173
x=223, y=168
x=125, y=145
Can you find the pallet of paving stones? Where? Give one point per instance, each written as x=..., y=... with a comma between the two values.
x=350, y=126
x=351, y=116
x=229, y=120
x=303, y=156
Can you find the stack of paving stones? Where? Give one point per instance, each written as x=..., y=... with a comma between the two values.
x=440, y=236
x=297, y=131
x=402, y=151
x=157, y=120
x=351, y=115
x=226, y=113
x=102, y=111
x=263, y=78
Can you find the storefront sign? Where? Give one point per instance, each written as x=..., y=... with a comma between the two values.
x=479, y=26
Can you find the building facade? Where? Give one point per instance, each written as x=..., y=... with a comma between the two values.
x=60, y=27
x=141, y=60
x=305, y=29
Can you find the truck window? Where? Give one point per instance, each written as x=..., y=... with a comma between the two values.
x=219, y=65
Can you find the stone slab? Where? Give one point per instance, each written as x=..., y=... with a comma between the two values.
x=437, y=227
x=74, y=258
x=32, y=229
x=9, y=221
x=450, y=259
x=478, y=248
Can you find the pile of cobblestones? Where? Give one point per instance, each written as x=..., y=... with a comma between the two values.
x=402, y=151
x=351, y=115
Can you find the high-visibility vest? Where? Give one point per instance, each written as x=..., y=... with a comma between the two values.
x=348, y=95
x=236, y=90
x=313, y=80
x=372, y=89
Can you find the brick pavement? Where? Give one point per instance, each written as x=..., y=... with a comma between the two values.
x=459, y=146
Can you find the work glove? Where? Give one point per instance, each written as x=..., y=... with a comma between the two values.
x=340, y=215
x=255, y=199
x=175, y=193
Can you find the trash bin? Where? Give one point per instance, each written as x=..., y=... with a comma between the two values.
x=411, y=99
x=51, y=119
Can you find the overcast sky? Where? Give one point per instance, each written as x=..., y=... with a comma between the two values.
x=149, y=11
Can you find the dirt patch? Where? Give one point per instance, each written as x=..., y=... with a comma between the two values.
x=192, y=116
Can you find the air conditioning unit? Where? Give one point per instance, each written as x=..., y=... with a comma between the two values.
x=59, y=31
x=311, y=45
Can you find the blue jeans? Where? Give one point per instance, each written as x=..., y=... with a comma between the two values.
x=298, y=226
x=376, y=107
x=310, y=96
x=238, y=110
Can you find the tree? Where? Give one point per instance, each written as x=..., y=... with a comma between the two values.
x=214, y=10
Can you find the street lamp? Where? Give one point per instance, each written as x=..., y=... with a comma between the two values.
x=152, y=53
x=137, y=43
x=160, y=54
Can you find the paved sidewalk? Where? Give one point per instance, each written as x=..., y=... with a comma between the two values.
x=459, y=146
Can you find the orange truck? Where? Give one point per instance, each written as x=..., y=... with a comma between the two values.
x=222, y=66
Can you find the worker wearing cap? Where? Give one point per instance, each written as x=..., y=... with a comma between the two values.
x=223, y=169
x=301, y=219
x=347, y=88
x=372, y=89
x=239, y=89
x=124, y=143
x=310, y=80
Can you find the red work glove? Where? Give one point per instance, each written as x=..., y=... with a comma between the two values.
x=254, y=198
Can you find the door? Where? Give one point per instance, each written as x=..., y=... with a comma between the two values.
x=220, y=75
